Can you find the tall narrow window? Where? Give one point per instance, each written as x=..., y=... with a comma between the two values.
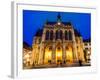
x=47, y=35
x=60, y=35
x=70, y=35
x=51, y=35
x=66, y=35
x=57, y=34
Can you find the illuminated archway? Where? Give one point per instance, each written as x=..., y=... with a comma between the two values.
x=69, y=54
x=48, y=55
x=58, y=54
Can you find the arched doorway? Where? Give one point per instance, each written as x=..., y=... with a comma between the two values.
x=69, y=54
x=58, y=55
x=48, y=55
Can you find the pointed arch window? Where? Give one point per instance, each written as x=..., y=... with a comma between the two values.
x=66, y=35
x=70, y=35
x=47, y=35
x=51, y=35
x=57, y=34
x=60, y=34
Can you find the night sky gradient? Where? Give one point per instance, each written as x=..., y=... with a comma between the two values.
x=34, y=20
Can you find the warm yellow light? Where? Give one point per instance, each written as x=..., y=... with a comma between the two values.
x=28, y=60
x=69, y=55
x=48, y=56
x=27, y=56
x=58, y=54
x=88, y=52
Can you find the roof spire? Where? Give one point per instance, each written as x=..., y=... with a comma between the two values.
x=59, y=17
x=46, y=22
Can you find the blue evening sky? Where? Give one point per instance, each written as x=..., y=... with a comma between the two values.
x=34, y=20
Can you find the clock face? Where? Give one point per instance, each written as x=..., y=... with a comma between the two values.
x=59, y=23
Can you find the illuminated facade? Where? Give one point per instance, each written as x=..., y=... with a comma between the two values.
x=27, y=56
x=87, y=50
x=57, y=44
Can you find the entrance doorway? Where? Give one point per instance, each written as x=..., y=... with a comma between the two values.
x=48, y=55
x=59, y=55
x=69, y=56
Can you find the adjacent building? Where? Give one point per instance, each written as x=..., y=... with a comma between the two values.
x=27, y=56
x=87, y=50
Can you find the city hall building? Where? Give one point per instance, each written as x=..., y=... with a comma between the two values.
x=58, y=43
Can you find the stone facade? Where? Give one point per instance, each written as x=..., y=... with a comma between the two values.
x=57, y=43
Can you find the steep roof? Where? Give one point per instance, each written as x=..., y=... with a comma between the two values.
x=39, y=32
x=77, y=33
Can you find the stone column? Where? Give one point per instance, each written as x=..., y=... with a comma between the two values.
x=54, y=54
x=64, y=50
x=41, y=54
x=64, y=53
x=54, y=35
x=63, y=36
x=43, y=35
x=54, y=48
x=75, y=56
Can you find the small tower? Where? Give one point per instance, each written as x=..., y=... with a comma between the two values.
x=58, y=18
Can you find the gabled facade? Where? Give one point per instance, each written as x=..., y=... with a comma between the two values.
x=58, y=43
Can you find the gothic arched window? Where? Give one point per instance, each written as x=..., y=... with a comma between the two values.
x=60, y=35
x=57, y=34
x=66, y=35
x=47, y=35
x=51, y=35
x=70, y=35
